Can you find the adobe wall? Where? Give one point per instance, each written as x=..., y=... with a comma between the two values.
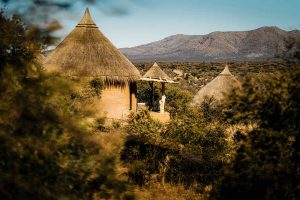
x=115, y=102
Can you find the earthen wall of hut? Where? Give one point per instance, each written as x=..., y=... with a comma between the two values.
x=116, y=102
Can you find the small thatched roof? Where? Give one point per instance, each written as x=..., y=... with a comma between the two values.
x=155, y=73
x=218, y=88
x=87, y=52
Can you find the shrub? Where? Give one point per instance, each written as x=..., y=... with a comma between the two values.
x=202, y=149
x=186, y=151
x=177, y=100
x=266, y=162
x=46, y=151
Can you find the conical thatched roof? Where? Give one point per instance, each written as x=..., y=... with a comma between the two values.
x=87, y=52
x=218, y=87
x=156, y=73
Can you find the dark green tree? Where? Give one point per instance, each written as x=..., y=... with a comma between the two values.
x=46, y=150
x=266, y=165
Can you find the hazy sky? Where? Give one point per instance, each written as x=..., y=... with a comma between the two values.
x=129, y=23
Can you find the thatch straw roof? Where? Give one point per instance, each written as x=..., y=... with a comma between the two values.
x=87, y=52
x=40, y=58
x=155, y=73
x=218, y=88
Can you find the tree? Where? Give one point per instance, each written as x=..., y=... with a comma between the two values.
x=46, y=150
x=267, y=159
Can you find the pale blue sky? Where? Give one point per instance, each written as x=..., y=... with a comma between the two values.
x=144, y=21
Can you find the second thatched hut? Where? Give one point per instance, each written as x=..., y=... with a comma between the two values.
x=218, y=88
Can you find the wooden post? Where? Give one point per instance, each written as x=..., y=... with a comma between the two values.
x=163, y=88
x=152, y=95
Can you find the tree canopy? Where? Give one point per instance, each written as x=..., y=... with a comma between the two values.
x=46, y=150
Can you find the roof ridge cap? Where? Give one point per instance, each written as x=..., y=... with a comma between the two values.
x=86, y=19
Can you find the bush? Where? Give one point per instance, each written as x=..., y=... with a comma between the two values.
x=46, y=150
x=186, y=151
x=202, y=149
x=140, y=153
x=267, y=160
x=177, y=100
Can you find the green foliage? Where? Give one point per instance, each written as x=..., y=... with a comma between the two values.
x=211, y=110
x=100, y=124
x=267, y=160
x=198, y=74
x=186, y=151
x=97, y=85
x=116, y=124
x=46, y=150
x=85, y=90
x=177, y=100
x=141, y=150
x=269, y=101
x=142, y=125
x=144, y=93
x=202, y=149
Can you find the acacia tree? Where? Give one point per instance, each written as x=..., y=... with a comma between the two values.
x=46, y=151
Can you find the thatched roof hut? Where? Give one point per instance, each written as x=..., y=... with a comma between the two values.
x=218, y=88
x=87, y=52
x=155, y=73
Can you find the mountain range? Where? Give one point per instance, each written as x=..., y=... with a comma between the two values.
x=259, y=44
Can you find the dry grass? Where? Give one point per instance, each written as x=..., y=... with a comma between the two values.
x=160, y=191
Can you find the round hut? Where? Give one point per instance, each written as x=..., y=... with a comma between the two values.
x=86, y=52
x=218, y=88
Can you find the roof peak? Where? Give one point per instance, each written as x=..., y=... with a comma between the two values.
x=155, y=64
x=86, y=20
x=86, y=52
x=156, y=73
x=226, y=71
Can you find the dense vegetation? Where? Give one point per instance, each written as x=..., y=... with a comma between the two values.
x=246, y=148
x=257, y=159
x=187, y=151
x=197, y=74
x=266, y=163
x=47, y=151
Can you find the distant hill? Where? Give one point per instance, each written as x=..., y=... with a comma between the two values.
x=259, y=44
